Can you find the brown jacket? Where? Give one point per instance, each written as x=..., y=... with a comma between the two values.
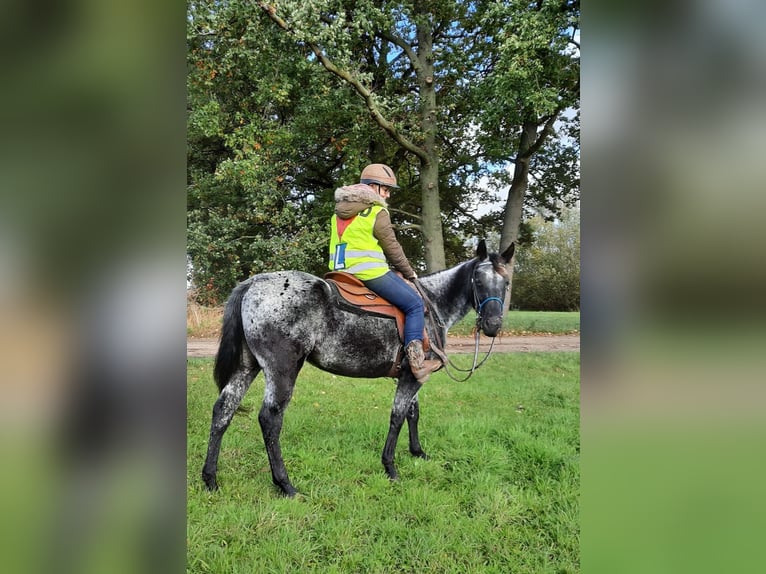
x=352, y=199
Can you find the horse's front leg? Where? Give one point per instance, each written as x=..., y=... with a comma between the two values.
x=413, y=415
x=406, y=391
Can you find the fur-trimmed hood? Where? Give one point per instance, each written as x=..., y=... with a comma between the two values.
x=359, y=193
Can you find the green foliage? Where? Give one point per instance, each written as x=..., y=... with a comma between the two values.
x=499, y=494
x=547, y=272
x=271, y=133
x=556, y=185
x=534, y=90
x=263, y=151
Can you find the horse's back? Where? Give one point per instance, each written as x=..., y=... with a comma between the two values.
x=281, y=294
x=292, y=310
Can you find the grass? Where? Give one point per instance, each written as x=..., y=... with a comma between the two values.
x=527, y=323
x=205, y=322
x=499, y=493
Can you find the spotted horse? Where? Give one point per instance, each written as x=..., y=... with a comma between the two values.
x=275, y=322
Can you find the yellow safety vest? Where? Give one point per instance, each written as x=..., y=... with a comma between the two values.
x=358, y=253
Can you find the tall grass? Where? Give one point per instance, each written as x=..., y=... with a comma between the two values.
x=202, y=321
x=499, y=493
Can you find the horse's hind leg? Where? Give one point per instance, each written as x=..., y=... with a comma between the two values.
x=406, y=391
x=223, y=411
x=413, y=415
x=280, y=383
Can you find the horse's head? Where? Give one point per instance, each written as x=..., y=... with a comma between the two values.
x=490, y=284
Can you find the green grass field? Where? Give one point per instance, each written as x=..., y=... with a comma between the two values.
x=527, y=322
x=500, y=492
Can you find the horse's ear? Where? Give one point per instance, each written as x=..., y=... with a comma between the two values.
x=481, y=250
x=507, y=255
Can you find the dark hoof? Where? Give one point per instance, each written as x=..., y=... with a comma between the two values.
x=391, y=472
x=419, y=454
x=210, y=482
x=287, y=490
x=289, y=493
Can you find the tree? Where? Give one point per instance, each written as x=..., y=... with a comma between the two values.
x=535, y=83
x=414, y=53
x=547, y=274
x=412, y=84
x=256, y=181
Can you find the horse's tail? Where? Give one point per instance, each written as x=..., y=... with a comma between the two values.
x=232, y=336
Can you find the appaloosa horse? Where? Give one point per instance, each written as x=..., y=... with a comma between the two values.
x=273, y=322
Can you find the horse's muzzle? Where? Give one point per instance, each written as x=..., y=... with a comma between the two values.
x=491, y=325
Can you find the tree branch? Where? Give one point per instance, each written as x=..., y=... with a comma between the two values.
x=408, y=226
x=544, y=133
x=406, y=48
x=465, y=213
x=360, y=89
x=407, y=213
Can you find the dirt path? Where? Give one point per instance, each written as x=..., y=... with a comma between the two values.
x=506, y=344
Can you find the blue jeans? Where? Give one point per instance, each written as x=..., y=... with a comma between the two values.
x=396, y=290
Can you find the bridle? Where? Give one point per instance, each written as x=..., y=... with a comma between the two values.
x=438, y=327
x=478, y=305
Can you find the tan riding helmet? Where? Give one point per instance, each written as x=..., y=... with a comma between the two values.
x=379, y=173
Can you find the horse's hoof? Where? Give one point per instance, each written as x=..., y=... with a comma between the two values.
x=210, y=482
x=419, y=454
x=289, y=491
x=286, y=489
x=391, y=472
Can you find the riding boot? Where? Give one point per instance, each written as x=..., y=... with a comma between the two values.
x=420, y=367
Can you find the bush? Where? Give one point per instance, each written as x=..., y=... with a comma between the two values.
x=547, y=272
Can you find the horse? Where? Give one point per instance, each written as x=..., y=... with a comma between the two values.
x=274, y=322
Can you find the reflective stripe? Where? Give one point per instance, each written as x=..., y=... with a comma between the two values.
x=368, y=254
x=363, y=255
x=379, y=255
x=365, y=266
x=371, y=254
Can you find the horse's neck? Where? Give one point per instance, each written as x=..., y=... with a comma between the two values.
x=450, y=292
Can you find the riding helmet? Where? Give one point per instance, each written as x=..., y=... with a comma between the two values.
x=379, y=173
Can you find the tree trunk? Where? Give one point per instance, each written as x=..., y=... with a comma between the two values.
x=433, y=241
x=514, y=205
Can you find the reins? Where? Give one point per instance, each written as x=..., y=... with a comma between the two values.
x=437, y=326
x=475, y=366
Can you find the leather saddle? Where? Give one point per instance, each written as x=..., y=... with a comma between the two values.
x=353, y=295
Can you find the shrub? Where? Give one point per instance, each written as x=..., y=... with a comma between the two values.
x=547, y=271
